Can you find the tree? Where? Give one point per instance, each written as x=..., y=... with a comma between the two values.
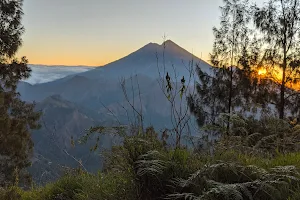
x=176, y=89
x=222, y=90
x=16, y=117
x=279, y=23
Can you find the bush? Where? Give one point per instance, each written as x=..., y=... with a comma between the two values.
x=10, y=193
x=143, y=167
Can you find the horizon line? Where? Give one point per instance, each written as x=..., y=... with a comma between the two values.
x=67, y=65
x=96, y=66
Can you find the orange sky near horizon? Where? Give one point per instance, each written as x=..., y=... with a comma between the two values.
x=97, y=32
x=63, y=56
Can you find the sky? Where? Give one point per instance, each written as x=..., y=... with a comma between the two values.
x=96, y=32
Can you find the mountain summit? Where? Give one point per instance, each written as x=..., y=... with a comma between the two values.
x=176, y=50
x=147, y=59
x=171, y=44
x=169, y=48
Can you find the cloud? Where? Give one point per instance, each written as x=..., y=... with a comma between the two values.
x=43, y=74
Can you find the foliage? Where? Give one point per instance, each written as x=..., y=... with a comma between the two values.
x=267, y=136
x=145, y=169
x=81, y=186
x=176, y=91
x=17, y=117
x=278, y=22
x=229, y=87
x=233, y=181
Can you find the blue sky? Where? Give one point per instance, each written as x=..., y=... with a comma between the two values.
x=95, y=32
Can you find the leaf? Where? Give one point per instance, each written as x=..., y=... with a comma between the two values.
x=72, y=142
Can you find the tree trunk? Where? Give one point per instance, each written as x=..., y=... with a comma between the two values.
x=230, y=99
x=282, y=87
x=231, y=77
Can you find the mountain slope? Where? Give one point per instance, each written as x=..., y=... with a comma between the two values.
x=148, y=60
x=79, y=101
x=63, y=120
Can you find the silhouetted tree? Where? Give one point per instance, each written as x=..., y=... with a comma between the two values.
x=279, y=23
x=16, y=117
x=222, y=90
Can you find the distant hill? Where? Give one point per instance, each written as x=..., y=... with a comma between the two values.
x=63, y=120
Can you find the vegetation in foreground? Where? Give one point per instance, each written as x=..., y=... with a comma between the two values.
x=144, y=167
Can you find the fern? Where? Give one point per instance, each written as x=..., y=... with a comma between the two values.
x=253, y=139
x=185, y=196
x=226, y=191
x=266, y=141
x=230, y=181
x=267, y=136
x=296, y=130
x=150, y=164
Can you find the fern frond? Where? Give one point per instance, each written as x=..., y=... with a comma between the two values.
x=253, y=138
x=225, y=192
x=150, y=164
x=266, y=140
x=185, y=196
x=286, y=170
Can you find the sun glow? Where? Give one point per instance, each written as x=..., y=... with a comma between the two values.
x=262, y=72
x=276, y=75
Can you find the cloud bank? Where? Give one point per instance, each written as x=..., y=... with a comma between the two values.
x=43, y=74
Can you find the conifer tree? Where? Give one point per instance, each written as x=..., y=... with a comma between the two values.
x=223, y=89
x=16, y=117
x=279, y=23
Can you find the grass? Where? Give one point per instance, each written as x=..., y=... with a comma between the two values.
x=144, y=168
x=121, y=185
x=77, y=187
x=267, y=163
